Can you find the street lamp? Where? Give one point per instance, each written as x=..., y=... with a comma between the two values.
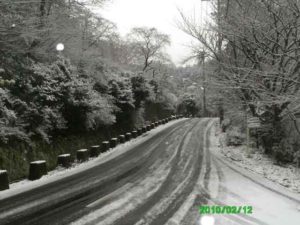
x=60, y=47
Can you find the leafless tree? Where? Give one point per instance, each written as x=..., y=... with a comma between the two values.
x=148, y=45
x=259, y=55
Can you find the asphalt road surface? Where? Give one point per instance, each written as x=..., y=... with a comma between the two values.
x=163, y=180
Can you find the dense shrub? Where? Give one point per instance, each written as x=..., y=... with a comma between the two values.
x=187, y=105
x=49, y=98
x=284, y=152
x=225, y=124
x=141, y=89
x=12, y=126
x=120, y=89
x=235, y=137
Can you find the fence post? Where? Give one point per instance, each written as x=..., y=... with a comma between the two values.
x=105, y=146
x=37, y=169
x=82, y=155
x=113, y=142
x=144, y=129
x=64, y=160
x=128, y=136
x=4, y=182
x=134, y=134
x=94, y=151
x=122, y=138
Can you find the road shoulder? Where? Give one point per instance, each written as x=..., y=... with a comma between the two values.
x=237, y=166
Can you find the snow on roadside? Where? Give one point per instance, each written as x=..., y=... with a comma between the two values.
x=60, y=173
x=259, y=163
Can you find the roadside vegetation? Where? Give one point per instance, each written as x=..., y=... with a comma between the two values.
x=68, y=79
x=252, y=50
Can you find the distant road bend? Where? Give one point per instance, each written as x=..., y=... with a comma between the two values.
x=163, y=180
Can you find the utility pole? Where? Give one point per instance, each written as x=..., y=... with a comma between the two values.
x=201, y=59
x=218, y=21
x=221, y=109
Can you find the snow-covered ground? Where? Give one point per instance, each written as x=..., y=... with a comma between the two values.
x=242, y=184
x=259, y=163
x=60, y=173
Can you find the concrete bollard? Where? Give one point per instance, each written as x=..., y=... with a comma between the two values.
x=64, y=160
x=149, y=127
x=37, y=169
x=152, y=125
x=105, y=146
x=4, y=183
x=128, y=136
x=82, y=155
x=156, y=124
x=122, y=138
x=134, y=134
x=140, y=131
x=144, y=129
x=94, y=151
x=113, y=142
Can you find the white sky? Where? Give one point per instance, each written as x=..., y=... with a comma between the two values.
x=161, y=14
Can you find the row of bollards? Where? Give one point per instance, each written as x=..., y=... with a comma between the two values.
x=39, y=168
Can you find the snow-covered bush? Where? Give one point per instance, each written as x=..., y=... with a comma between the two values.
x=87, y=109
x=187, y=105
x=141, y=89
x=12, y=127
x=284, y=153
x=52, y=97
x=83, y=106
x=234, y=137
x=121, y=90
x=225, y=124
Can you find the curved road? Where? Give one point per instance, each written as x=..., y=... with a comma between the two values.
x=162, y=180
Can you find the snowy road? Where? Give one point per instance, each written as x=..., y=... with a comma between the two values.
x=162, y=180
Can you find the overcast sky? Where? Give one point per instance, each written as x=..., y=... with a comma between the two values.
x=161, y=14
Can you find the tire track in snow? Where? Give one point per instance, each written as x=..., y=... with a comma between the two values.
x=168, y=185
x=175, y=202
x=125, y=203
x=188, y=212
x=80, y=189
